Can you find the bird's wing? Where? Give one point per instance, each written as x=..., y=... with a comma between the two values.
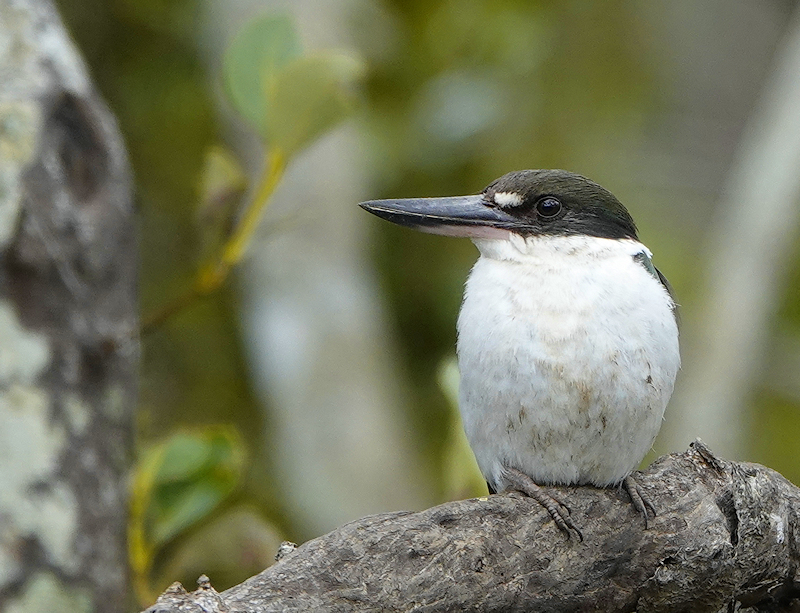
x=643, y=258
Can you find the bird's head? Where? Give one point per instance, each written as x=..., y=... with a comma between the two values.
x=525, y=202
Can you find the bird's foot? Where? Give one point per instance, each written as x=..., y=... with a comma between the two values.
x=640, y=498
x=558, y=510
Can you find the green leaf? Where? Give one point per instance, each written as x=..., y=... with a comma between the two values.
x=311, y=95
x=182, y=480
x=194, y=502
x=184, y=455
x=254, y=59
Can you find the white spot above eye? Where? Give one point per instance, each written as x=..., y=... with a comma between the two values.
x=507, y=199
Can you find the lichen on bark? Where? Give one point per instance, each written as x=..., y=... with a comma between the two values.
x=68, y=348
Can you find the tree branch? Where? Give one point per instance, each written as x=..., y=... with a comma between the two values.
x=725, y=533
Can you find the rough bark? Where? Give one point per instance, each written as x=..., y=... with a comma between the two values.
x=68, y=352
x=726, y=538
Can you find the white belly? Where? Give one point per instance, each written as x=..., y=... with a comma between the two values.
x=568, y=352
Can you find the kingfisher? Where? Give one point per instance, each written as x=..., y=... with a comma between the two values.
x=567, y=335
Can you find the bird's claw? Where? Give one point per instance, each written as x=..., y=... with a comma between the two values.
x=640, y=498
x=559, y=512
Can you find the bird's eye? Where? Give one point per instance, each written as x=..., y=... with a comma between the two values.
x=548, y=207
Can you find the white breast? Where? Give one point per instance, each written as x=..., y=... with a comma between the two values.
x=568, y=351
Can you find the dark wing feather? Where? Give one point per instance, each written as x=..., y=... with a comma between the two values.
x=644, y=259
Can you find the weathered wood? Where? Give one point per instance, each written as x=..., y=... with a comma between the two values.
x=726, y=538
x=68, y=349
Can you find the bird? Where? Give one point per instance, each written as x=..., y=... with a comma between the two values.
x=567, y=337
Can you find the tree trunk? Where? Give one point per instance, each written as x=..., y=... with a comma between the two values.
x=726, y=538
x=68, y=345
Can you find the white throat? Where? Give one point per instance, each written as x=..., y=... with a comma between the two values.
x=568, y=251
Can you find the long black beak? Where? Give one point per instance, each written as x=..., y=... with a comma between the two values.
x=455, y=216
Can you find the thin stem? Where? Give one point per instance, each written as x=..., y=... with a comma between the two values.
x=214, y=274
x=237, y=244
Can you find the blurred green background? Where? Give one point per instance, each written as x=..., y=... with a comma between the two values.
x=328, y=355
